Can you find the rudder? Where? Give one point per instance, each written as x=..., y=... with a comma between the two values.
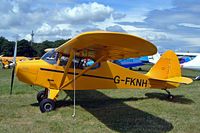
x=167, y=67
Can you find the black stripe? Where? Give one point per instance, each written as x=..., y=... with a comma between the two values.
x=95, y=76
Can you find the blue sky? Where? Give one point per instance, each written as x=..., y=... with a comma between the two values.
x=169, y=24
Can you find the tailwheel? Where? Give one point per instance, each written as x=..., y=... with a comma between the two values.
x=42, y=95
x=170, y=96
x=47, y=105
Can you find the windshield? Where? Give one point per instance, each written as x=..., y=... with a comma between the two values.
x=50, y=57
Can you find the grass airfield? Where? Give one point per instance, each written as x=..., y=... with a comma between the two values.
x=140, y=111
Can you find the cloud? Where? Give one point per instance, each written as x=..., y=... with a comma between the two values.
x=48, y=30
x=84, y=13
x=168, y=24
x=179, y=24
x=49, y=18
x=190, y=25
x=115, y=28
x=90, y=29
x=118, y=15
x=173, y=19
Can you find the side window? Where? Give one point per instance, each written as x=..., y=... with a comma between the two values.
x=63, y=60
x=80, y=63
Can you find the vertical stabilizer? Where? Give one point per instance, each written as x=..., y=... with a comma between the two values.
x=167, y=67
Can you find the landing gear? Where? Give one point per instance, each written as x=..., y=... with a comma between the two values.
x=139, y=69
x=170, y=96
x=42, y=95
x=47, y=105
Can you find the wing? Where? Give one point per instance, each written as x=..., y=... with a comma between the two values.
x=112, y=45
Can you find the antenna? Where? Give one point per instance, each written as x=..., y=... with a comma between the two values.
x=32, y=34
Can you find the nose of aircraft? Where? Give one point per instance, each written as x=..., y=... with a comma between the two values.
x=26, y=72
x=16, y=68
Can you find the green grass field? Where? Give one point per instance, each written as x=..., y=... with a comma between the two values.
x=143, y=111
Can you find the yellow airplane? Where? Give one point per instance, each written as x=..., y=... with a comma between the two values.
x=65, y=68
x=8, y=61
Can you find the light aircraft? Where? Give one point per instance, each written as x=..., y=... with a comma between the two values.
x=132, y=62
x=189, y=60
x=7, y=62
x=154, y=58
x=64, y=68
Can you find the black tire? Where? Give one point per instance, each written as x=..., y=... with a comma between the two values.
x=47, y=105
x=41, y=95
x=170, y=97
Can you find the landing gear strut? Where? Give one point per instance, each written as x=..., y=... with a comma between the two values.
x=170, y=96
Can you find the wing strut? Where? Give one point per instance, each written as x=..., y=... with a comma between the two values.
x=72, y=52
x=83, y=72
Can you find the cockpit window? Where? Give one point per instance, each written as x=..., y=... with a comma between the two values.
x=50, y=57
x=80, y=63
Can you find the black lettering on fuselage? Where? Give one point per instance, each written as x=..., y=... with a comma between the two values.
x=117, y=79
x=127, y=80
x=139, y=82
x=145, y=82
x=131, y=81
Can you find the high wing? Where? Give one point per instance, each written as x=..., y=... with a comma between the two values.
x=111, y=45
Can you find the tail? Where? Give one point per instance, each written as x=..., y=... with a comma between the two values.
x=168, y=69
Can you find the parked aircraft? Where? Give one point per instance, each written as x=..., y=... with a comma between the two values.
x=189, y=60
x=64, y=68
x=7, y=62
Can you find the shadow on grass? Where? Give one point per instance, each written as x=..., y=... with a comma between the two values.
x=117, y=115
x=177, y=98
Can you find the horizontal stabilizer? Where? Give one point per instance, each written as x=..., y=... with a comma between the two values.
x=182, y=80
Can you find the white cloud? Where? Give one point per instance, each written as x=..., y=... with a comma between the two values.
x=84, y=13
x=190, y=25
x=193, y=41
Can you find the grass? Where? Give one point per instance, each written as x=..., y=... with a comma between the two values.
x=142, y=111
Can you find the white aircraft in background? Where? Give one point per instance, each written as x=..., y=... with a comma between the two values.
x=154, y=58
x=189, y=60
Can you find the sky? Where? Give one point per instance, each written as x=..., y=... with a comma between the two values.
x=169, y=24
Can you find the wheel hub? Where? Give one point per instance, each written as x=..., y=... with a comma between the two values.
x=48, y=107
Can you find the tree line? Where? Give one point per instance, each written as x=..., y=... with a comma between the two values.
x=24, y=47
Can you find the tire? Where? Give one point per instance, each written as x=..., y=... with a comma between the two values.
x=47, y=105
x=41, y=95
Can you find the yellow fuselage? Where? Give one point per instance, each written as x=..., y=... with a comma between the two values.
x=107, y=76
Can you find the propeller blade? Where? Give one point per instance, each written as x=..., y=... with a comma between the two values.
x=15, y=53
x=12, y=80
x=13, y=71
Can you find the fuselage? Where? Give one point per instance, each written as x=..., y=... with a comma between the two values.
x=193, y=63
x=48, y=73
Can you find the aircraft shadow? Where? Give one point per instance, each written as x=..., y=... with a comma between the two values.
x=117, y=115
x=162, y=96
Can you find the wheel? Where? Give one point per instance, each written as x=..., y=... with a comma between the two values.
x=170, y=97
x=41, y=95
x=46, y=105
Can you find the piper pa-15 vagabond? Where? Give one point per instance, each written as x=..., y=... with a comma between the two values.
x=65, y=66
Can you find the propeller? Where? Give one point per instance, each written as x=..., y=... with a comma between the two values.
x=13, y=70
